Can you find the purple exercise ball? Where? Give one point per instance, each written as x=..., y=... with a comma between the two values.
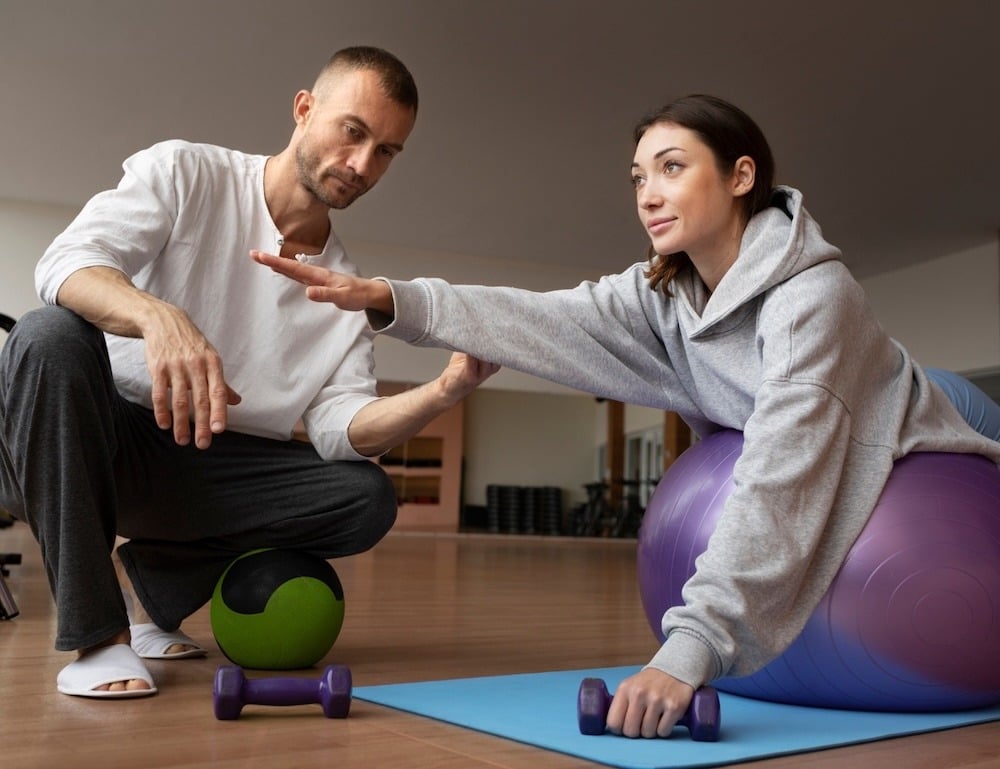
x=912, y=619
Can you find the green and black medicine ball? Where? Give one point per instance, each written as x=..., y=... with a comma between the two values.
x=277, y=610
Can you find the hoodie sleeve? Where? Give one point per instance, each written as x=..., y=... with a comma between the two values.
x=595, y=338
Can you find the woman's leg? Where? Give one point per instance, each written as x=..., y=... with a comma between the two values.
x=982, y=413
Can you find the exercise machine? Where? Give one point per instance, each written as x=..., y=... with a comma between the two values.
x=8, y=608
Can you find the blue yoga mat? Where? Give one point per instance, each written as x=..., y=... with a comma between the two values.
x=540, y=709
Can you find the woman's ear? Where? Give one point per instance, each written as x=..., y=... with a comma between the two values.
x=744, y=174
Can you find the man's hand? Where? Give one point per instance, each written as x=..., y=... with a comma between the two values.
x=348, y=292
x=463, y=374
x=187, y=377
x=648, y=704
x=185, y=370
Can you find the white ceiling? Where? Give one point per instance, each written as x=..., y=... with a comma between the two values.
x=885, y=113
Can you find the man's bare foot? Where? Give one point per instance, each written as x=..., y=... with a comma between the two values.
x=137, y=613
x=127, y=685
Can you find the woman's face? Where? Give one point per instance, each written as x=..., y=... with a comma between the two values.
x=685, y=203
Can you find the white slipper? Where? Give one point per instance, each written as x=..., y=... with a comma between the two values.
x=106, y=665
x=151, y=642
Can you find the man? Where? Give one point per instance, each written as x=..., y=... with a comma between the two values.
x=172, y=428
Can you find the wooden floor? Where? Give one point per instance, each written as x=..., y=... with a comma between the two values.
x=419, y=607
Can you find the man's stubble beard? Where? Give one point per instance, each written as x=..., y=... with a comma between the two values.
x=306, y=167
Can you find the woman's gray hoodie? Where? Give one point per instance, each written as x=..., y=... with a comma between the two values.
x=787, y=350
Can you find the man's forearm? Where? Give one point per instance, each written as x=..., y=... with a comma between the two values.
x=107, y=298
x=390, y=421
x=387, y=422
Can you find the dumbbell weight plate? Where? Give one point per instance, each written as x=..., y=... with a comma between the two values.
x=338, y=683
x=592, y=705
x=227, y=693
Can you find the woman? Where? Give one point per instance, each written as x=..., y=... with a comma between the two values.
x=743, y=318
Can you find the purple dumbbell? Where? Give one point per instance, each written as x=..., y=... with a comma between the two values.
x=702, y=718
x=232, y=690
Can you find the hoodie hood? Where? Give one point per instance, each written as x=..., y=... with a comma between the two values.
x=779, y=242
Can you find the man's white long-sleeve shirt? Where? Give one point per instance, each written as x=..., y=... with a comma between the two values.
x=181, y=224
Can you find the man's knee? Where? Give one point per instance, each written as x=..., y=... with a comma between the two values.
x=356, y=508
x=55, y=349
x=55, y=380
x=53, y=329
x=380, y=501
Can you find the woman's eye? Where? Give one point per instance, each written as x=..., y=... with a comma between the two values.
x=671, y=166
x=637, y=181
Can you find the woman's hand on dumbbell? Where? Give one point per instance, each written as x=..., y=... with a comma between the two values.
x=648, y=704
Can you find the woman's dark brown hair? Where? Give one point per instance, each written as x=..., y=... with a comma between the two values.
x=730, y=133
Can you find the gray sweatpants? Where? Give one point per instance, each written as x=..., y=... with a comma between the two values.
x=81, y=464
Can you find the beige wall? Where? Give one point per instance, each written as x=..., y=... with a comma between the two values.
x=946, y=312
x=26, y=229
x=529, y=439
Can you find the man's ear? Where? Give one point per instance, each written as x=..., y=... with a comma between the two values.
x=301, y=107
